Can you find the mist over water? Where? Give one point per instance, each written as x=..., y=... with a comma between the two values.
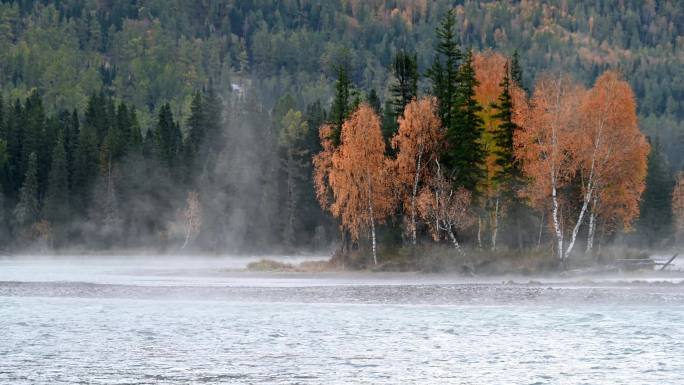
x=179, y=320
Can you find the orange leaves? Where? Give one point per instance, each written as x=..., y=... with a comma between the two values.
x=489, y=70
x=613, y=151
x=548, y=143
x=416, y=141
x=359, y=177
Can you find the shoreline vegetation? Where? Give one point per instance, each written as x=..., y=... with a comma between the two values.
x=458, y=157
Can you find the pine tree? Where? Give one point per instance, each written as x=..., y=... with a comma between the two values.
x=374, y=101
x=168, y=138
x=444, y=72
x=405, y=87
x=503, y=136
x=85, y=170
x=27, y=210
x=516, y=71
x=655, y=218
x=464, y=156
x=56, y=207
x=342, y=103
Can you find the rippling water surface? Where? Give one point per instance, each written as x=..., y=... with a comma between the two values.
x=384, y=333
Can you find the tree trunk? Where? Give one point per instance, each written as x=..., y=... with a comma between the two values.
x=413, y=198
x=575, y=230
x=372, y=223
x=556, y=221
x=592, y=227
x=457, y=246
x=495, y=230
x=479, y=231
x=541, y=230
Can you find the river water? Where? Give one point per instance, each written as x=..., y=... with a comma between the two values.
x=180, y=321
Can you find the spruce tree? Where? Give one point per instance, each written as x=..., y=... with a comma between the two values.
x=464, y=156
x=56, y=207
x=405, y=87
x=503, y=136
x=342, y=103
x=27, y=210
x=168, y=137
x=85, y=170
x=444, y=72
x=374, y=101
x=655, y=218
x=516, y=71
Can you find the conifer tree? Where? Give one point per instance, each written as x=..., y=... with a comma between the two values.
x=342, y=103
x=464, y=156
x=655, y=218
x=56, y=207
x=405, y=87
x=27, y=210
x=503, y=136
x=516, y=71
x=168, y=137
x=444, y=72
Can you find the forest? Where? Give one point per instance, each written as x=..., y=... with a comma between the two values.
x=383, y=130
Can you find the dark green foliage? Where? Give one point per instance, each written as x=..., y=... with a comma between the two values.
x=504, y=134
x=516, y=72
x=56, y=206
x=28, y=208
x=655, y=219
x=464, y=155
x=168, y=138
x=444, y=72
x=342, y=104
x=405, y=86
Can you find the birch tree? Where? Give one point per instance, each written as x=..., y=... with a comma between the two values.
x=613, y=156
x=360, y=178
x=547, y=145
x=445, y=209
x=417, y=143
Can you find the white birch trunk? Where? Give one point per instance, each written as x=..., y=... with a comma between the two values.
x=414, y=193
x=592, y=227
x=556, y=221
x=457, y=246
x=479, y=231
x=372, y=222
x=495, y=230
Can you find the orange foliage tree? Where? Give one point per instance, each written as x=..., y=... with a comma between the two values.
x=613, y=155
x=445, y=209
x=678, y=206
x=417, y=142
x=547, y=145
x=570, y=134
x=358, y=176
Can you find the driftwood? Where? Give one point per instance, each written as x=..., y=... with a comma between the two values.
x=666, y=264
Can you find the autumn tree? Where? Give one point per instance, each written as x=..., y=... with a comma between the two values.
x=445, y=209
x=547, y=145
x=359, y=176
x=417, y=144
x=613, y=155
